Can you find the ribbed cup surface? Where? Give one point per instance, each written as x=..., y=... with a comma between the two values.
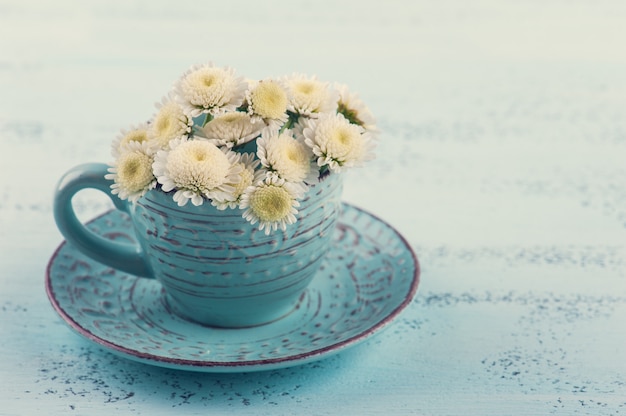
x=219, y=270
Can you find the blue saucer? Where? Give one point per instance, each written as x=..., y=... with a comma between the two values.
x=368, y=277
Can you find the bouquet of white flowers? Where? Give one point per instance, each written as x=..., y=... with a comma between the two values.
x=243, y=144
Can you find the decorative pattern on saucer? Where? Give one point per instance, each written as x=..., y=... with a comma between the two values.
x=369, y=275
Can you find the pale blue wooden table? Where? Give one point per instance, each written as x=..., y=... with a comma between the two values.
x=502, y=160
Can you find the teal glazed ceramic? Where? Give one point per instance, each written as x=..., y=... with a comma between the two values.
x=369, y=275
x=215, y=267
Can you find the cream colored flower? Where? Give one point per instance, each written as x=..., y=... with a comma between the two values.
x=272, y=203
x=232, y=129
x=285, y=157
x=248, y=176
x=170, y=122
x=310, y=97
x=139, y=133
x=131, y=172
x=337, y=143
x=268, y=100
x=209, y=89
x=354, y=110
x=196, y=169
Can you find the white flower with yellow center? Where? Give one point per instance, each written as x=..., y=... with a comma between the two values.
x=310, y=97
x=170, y=122
x=268, y=99
x=337, y=143
x=196, y=169
x=209, y=89
x=272, y=203
x=131, y=172
x=355, y=110
x=139, y=133
x=232, y=129
x=285, y=157
x=248, y=176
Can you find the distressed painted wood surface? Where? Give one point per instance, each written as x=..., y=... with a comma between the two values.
x=502, y=160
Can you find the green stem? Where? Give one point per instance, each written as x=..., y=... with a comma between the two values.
x=293, y=118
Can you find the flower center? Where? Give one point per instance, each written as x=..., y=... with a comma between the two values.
x=271, y=203
x=342, y=140
x=197, y=165
x=134, y=136
x=208, y=80
x=292, y=154
x=343, y=137
x=269, y=100
x=134, y=171
x=245, y=180
x=308, y=95
x=169, y=123
x=305, y=87
x=289, y=158
x=162, y=124
x=207, y=87
x=200, y=155
x=295, y=152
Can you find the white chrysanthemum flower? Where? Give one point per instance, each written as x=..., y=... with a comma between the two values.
x=131, y=172
x=338, y=143
x=310, y=97
x=196, y=169
x=285, y=157
x=272, y=203
x=232, y=129
x=268, y=100
x=355, y=110
x=209, y=89
x=170, y=122
x=139, y=133
x=248, y=176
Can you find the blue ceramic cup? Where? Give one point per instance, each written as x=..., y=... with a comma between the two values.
x=215, y=267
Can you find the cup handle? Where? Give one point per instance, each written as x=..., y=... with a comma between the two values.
x=125, y=257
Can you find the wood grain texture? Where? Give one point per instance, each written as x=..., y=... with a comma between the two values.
x=501, y=160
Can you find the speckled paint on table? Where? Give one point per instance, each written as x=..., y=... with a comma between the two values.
x=501, y=159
